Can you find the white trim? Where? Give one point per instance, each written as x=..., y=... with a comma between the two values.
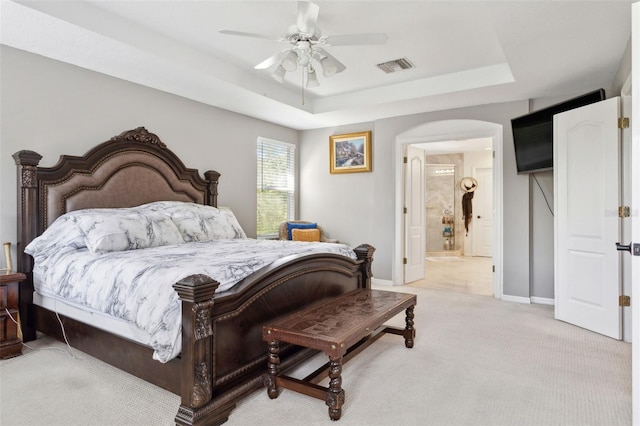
x=380, y=282
x=542, y=300
x=516, y=299
x=626, y=187
x=635, y=219
x=437, y=131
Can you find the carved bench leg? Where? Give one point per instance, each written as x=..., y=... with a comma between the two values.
x=409, y=331
x=273, y=363
x=335, y=393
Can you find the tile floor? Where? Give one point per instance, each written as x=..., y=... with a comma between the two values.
x=461, y=274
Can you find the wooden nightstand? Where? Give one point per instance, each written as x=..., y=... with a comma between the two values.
x=10, y=336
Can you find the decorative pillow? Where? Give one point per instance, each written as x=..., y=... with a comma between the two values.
x=305, y=234
x=127, y=229
x=62, y=233
x=198, y=222
x=291, y=226
x=232, y=222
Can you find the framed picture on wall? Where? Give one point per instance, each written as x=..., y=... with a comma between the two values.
x=350, y=153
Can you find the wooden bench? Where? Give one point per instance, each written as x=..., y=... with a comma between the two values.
x=341, y=328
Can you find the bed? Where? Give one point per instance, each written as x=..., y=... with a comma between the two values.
x=222, y=356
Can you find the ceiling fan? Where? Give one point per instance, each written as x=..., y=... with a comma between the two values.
x=307, y=45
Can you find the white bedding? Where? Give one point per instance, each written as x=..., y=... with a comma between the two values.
x=124, y=262
x=136, y=285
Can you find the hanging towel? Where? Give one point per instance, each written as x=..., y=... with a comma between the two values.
x=467, y=210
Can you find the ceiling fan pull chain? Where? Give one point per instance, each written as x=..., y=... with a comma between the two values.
x=302, y=85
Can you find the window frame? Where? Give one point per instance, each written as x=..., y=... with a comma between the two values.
x=291, y=185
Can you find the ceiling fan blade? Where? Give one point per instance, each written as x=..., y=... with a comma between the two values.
x=307, y=17
x=254, y=35
x=272, y=60
x=354, y=39
x=339, y=65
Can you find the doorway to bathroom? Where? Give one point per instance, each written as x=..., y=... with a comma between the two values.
x=407, y=253
x=458, y=216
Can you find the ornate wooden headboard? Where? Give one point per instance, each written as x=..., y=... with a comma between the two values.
x=130, y=169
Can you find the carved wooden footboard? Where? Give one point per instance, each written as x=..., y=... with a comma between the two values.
x=230, y=344
x=223, y=356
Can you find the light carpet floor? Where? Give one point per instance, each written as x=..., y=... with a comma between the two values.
x=476, y=361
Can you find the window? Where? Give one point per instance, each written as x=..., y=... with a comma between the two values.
x=276, y=187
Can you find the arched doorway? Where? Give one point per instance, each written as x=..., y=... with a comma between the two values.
x=435, y=132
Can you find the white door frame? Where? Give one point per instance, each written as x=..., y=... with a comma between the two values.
x=635, y=219
x=438, y=131
x=626, y=169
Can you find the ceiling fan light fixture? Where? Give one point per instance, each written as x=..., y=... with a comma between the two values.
x=279, y=73
x=290, y=62
x=304, y=52
x=312, y=78
x=329, y=67
x=303, y=59
x=306, y=46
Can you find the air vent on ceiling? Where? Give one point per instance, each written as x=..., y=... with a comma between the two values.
x=395, y=65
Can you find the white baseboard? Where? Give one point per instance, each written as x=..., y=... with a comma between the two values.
x=378, y=281
x=516, y=299
x=542, y=300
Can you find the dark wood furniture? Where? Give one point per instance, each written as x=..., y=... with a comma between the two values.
x=223, y=355
x=10, y=335
x=334, y=327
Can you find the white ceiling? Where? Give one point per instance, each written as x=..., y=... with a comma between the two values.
x=465, y=52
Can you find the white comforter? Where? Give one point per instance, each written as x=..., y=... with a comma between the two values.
x=136, y=285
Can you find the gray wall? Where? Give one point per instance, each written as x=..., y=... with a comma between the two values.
x=55, y=108
x=542, y=235
x=364, y=202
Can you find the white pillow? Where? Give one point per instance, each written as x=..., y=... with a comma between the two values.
x=127, y=229
x=232, y=223
x=199, y=222
x=62, y=233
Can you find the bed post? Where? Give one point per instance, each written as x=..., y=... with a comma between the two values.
x=197, y=361
x=212, y=191
x=365, y=252
x=28, y=229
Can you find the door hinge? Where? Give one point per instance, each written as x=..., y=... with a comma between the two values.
x=404, y=160
x=624, y=300
x=493, y=268
x=623, y=123
x=624, y=211
x=404, y=260
x=494, y=154
x=404, y=210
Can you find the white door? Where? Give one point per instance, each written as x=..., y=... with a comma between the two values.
x=483, y=214
x=586, y=188
x=414, y=217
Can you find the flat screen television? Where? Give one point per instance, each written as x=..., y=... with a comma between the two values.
x=533, y=133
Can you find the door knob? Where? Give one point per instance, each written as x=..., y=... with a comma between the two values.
x=634, y=251
x=622, y=247
x=479, y=217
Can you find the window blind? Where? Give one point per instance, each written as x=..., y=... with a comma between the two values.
x=276, y=186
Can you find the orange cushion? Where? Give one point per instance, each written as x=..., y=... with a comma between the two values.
x=305, y=234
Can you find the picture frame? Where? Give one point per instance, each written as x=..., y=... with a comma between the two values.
x=350, y=153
